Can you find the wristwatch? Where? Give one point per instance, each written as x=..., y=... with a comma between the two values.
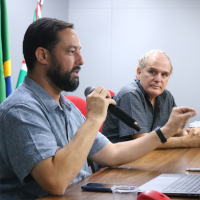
x=160, y=135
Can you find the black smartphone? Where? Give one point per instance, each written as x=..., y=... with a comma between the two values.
x=98, y=187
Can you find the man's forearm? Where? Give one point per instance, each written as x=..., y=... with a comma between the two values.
x=124, y=152
x=54, y=174
x=173, y=142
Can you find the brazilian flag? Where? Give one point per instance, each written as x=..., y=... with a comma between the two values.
x=5, y=63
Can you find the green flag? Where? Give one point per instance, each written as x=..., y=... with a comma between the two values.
x=5, y=63
x=22, y=74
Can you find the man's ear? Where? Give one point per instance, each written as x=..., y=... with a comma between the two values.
x=42, y=55
x=138, y=73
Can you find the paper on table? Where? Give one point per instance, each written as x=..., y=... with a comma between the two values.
x=194, y=124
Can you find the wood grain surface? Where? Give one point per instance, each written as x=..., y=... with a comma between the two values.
x=136, y=173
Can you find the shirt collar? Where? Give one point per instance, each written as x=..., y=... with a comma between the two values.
x=49, y=103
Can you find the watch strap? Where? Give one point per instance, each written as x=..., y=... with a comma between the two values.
x=160, y=135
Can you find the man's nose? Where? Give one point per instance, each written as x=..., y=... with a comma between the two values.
x=158, y=77
x=79, y=59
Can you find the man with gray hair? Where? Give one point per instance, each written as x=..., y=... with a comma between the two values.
x=149, y=103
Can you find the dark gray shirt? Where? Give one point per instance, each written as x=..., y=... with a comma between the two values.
x=32, y=128
x=134, y=101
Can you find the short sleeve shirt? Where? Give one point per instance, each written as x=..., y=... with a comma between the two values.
x=134, y=101
x=33, y=126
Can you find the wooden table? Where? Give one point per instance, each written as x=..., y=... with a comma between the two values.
x=136, y=173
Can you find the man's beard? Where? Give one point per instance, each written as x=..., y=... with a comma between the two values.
x=61, y=79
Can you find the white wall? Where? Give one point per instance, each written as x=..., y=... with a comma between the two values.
x=114, y=33
x=20, y=15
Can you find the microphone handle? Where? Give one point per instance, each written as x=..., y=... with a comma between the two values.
x=124, y=117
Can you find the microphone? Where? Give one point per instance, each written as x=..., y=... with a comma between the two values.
x=116, y=111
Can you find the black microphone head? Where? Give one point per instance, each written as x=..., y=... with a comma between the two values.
x=88, y=90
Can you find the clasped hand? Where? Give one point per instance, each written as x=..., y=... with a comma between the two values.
x=193, y=137
x=97, y=103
